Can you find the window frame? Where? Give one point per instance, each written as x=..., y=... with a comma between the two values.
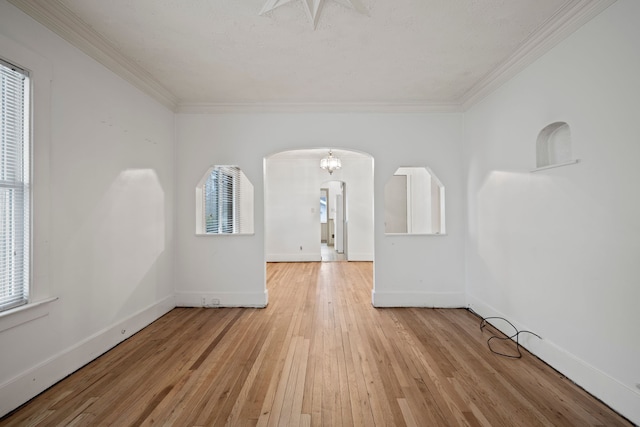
x=15, y=181
x=41, y=291
x=239, y=193
x=223, y=198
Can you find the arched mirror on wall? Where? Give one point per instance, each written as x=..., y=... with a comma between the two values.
x=414, y=202
x=224, y=202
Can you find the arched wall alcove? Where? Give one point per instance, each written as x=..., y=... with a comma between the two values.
x=554, y=146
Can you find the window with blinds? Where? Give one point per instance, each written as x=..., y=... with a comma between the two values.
x=222, y=195
x=224, y=202
x=14, y=186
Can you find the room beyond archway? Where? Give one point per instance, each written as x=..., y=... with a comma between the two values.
x=293, y=180
x=333, y=221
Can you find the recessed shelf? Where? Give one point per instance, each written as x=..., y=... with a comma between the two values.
x=557, y=165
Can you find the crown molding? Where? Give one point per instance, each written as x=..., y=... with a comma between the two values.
x=556, y=29
x=346, y=107
x=59, y=19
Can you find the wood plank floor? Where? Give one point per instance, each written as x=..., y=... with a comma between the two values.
x=318, y=355
x=329, y=254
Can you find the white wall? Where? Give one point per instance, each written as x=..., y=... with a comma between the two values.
x=335, y=190
x=557, y=251
x=103, y=203
x=409, y=270
x=422, y=270
x=291, y=209
x=246, y=205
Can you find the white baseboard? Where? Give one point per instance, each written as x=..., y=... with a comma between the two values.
x=620, y=397
x=353, y=256
x=418, y=299
x=294, y=257
x=34, y=381
x=360, y=256
x=222, y=299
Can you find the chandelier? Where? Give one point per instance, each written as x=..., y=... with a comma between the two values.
x=330, y=163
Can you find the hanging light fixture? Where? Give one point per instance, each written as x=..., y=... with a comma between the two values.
x=330, y=163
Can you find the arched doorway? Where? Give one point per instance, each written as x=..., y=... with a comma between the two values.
x=293, y=179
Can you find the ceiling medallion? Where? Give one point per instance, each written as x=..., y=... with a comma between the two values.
x=313, y=8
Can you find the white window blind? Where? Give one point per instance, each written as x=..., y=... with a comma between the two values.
x=14, y=186
x=222, y=192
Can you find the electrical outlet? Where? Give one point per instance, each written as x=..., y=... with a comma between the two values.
x=204, y=301
x=215, y=302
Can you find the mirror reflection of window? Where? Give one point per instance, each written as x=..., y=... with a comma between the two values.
x=224, y=202
x=414, y=202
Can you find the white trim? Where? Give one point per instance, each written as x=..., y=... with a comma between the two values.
x=415, y=234
x=418, y=299
x=34, y=381
x=59, y=19
x=560, y=26
x=41, y=72
x=222, y=299
x=293, y=257
x=360, y=256
x=25, y=313
x=296, y=257
x=557, y=165
x=345, y=107
x=223, y=234
x=620, y=397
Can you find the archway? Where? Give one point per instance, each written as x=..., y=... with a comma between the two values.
x=292, y=182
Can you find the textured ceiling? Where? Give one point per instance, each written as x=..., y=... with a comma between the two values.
x=399, y=51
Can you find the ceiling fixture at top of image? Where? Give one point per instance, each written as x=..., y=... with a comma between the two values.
x=330, y=163
x=313, y=8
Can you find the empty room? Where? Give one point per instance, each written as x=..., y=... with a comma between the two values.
x=319, y=212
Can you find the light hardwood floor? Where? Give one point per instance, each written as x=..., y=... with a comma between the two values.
x=318, y=355
x=329, y=254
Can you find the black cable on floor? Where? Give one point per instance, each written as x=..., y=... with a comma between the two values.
x=516, y=335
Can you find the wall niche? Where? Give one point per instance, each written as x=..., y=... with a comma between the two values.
x=553, y=147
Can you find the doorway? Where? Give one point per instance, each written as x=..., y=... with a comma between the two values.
x=292, y=183
x=333, y=223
